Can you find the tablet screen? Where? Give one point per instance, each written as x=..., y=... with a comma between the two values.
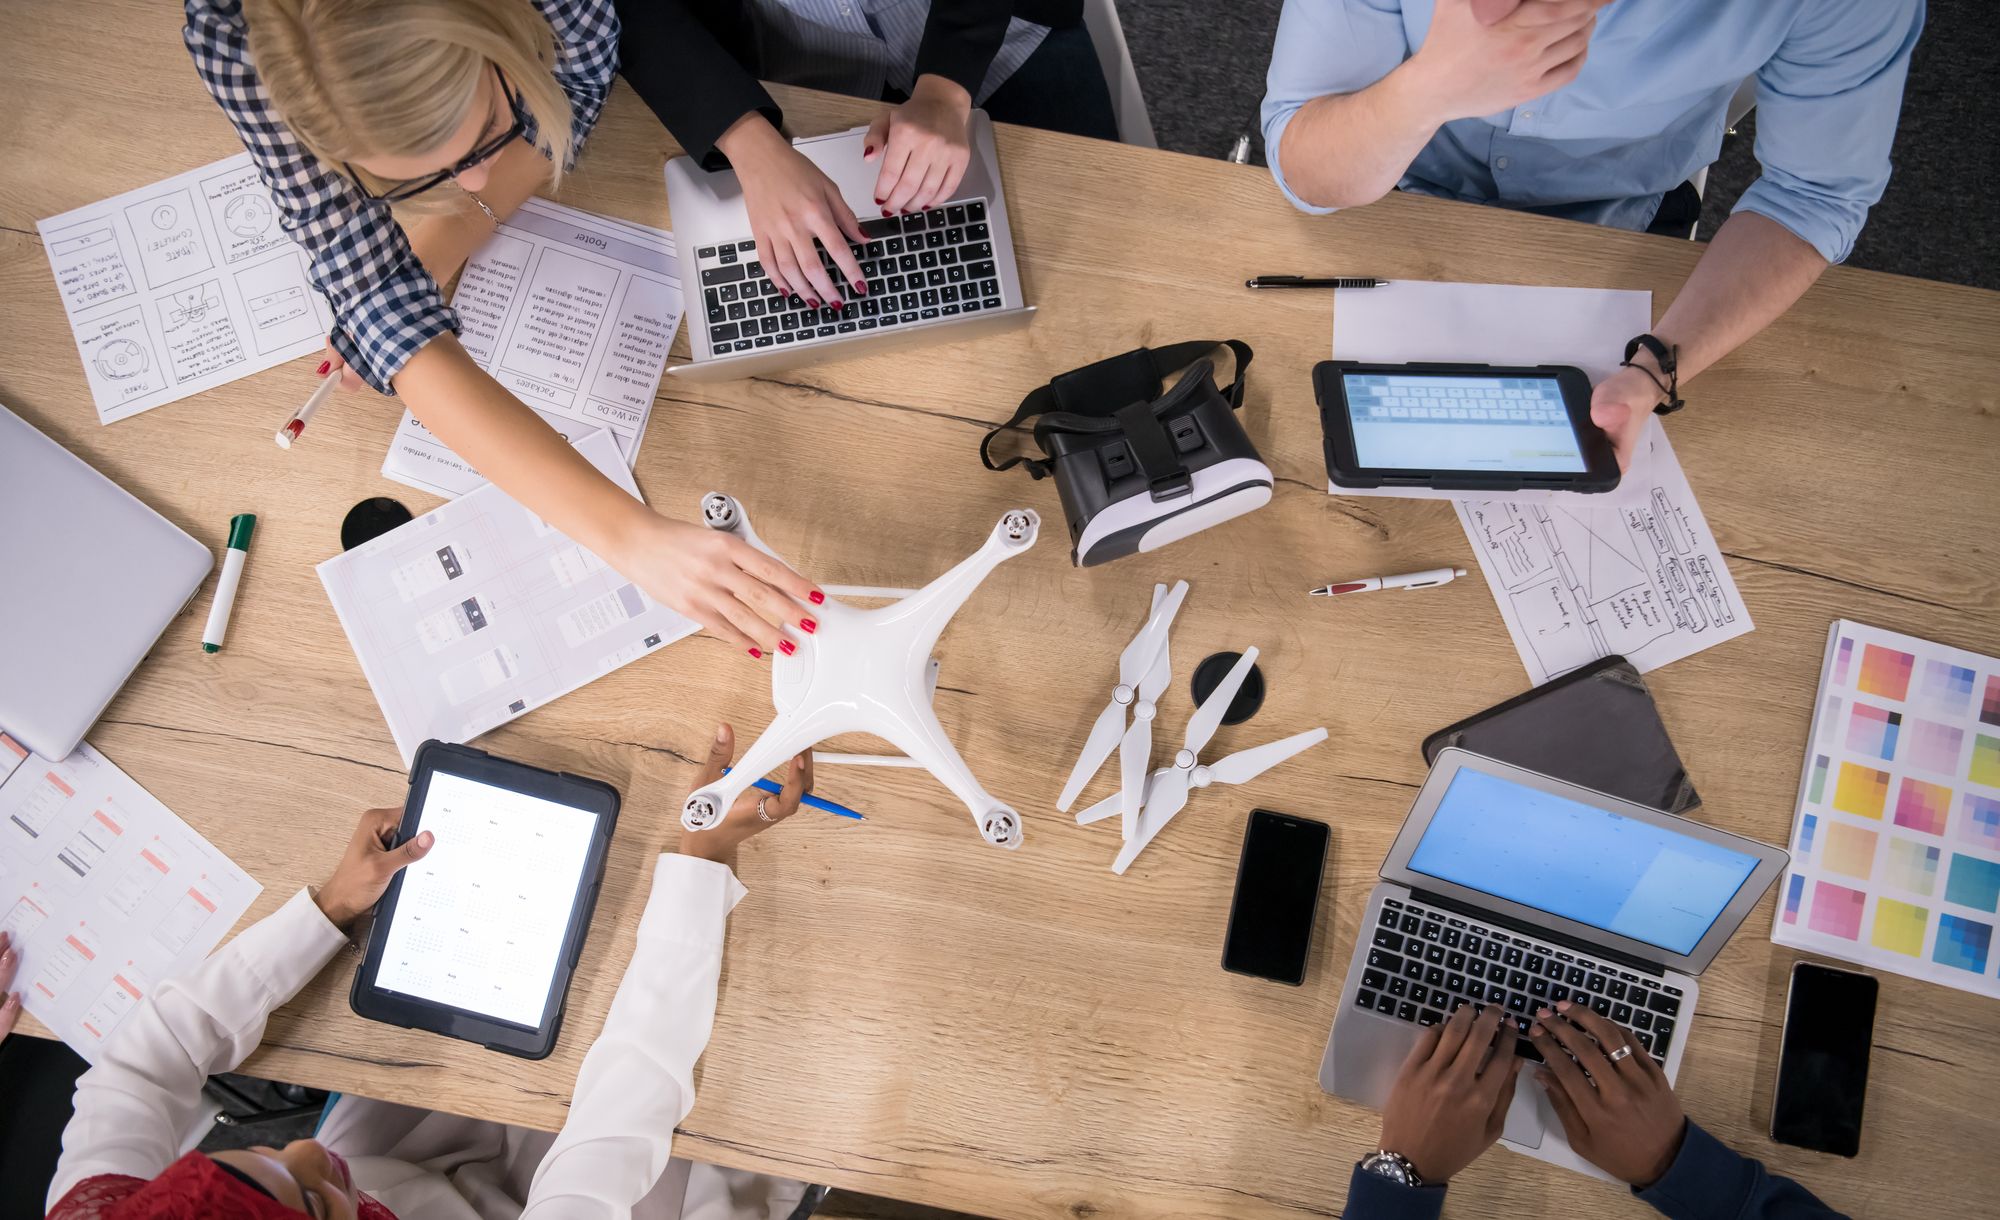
x=481, y=920
x=1405, y=422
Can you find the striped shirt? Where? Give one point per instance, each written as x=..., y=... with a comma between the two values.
x=858, y=47
x=385, y=305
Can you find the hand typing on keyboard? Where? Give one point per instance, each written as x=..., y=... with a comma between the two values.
x=1449, y=1102
x=1622, y=1117
x=792, y=205
x=924, y=146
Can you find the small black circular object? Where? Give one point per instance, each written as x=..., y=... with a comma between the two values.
x=371, y=519
x=1249, y=697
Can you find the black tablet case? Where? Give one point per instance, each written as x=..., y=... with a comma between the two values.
x=1596, y=726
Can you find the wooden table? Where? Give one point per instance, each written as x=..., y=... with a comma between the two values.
x=906, y=1010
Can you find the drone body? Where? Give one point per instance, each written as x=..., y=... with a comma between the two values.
x=869, y=671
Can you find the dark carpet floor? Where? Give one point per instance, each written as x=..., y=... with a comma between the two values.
x=1201, y=65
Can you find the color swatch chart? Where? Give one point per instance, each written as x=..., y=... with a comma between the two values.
x=104, y=891
x=1896, y=843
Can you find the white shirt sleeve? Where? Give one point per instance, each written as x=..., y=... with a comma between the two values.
x=637, y=1081
x=141, y=1107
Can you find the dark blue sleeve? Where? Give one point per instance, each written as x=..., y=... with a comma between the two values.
x=1370, y=1196
x=1711, y=1181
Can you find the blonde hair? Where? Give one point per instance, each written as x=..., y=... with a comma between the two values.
x=360, y=78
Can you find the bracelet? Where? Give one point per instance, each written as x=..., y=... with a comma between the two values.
x=1667, y=357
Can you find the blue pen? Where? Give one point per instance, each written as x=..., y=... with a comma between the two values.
x=810, y=801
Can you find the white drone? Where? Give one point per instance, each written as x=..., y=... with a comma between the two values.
x=868, y=671
x=1165, y=792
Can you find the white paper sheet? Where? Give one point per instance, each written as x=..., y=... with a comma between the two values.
x=572, y=313
x=1896, y=840
x=480, y=611
x=105, y=892
x=1418, y=320
x=182, y=286
x=1583, y=579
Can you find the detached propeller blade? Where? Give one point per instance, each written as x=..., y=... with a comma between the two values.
x=1246, y=765
x=1136, y=750
x=1166, y=796
x=1207, y=717
x=1137, y=658
x=1132, y=666
x=1110, y=805
x=1096, y=748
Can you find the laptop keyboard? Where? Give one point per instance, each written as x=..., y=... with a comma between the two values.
x=1424, y=964
x=918, y=268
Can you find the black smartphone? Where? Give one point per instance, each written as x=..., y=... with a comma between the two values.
x=1823, y=1059
x=1277, y=895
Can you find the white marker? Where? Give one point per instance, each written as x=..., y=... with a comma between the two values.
x=297, y=423
x=225, y=586
x=1415, y=580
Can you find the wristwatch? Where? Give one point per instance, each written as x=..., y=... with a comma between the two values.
x=1668, y=358
x=1391, y=1165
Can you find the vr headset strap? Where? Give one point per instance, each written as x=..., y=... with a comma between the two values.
x=1122, y=388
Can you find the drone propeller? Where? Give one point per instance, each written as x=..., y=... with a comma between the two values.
x=1237, y=768
x=1135, y=669
x=1201, y=726
x=1135, y=750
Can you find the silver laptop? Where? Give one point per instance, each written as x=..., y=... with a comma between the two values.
x=1508, y=887
x=933, y=277
x=89, y=577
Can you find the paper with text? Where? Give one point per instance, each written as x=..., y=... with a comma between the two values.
x=1581, y=579
x=480, y=611
x=1419, y=320
x=182, y=286
x=572, y=313
x=1896, y=838
x=104, y=891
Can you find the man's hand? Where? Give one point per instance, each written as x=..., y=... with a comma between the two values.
x=1621, y=1117
x=754, y=810
x=1476, y=61
x=1450, y=1100
x=10, y=1000
x=366, y=867
x=1620, y=406
x=792, y=204
x=924, y=146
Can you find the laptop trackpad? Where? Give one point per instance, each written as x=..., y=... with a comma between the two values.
x=1529, y=1116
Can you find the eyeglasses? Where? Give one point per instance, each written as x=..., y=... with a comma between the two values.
x=481, y=153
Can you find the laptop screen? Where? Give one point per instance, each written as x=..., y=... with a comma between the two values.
x=1631, y=878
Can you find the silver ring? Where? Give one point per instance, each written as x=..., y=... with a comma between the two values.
x=1623, y=1052
x=765, y=817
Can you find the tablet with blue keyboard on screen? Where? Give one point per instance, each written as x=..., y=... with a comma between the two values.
x=1461, y=427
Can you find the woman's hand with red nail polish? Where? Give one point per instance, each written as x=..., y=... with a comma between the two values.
x=795, y=210
x=738, y=593
x=331, y=365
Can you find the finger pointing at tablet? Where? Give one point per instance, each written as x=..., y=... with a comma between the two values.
x=367, y=865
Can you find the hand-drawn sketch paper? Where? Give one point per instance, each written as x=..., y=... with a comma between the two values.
x=182, y=286
x=1578, y=581
x=573, y=313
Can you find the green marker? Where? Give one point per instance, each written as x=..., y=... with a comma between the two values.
x=240, y=527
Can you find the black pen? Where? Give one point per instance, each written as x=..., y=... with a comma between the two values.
x=1300, y=281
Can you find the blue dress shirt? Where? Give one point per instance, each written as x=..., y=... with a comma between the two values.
x=1647, y=110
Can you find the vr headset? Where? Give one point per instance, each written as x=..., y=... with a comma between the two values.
x=1137, y=469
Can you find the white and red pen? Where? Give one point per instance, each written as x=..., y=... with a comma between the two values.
x=1414, y=580
x=297, y=423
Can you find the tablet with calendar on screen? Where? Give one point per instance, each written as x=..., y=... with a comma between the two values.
x=478, y=939
x=1461, y=427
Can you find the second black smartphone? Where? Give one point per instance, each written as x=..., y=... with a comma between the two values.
x=1823, y=1060
x=1277, y=897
